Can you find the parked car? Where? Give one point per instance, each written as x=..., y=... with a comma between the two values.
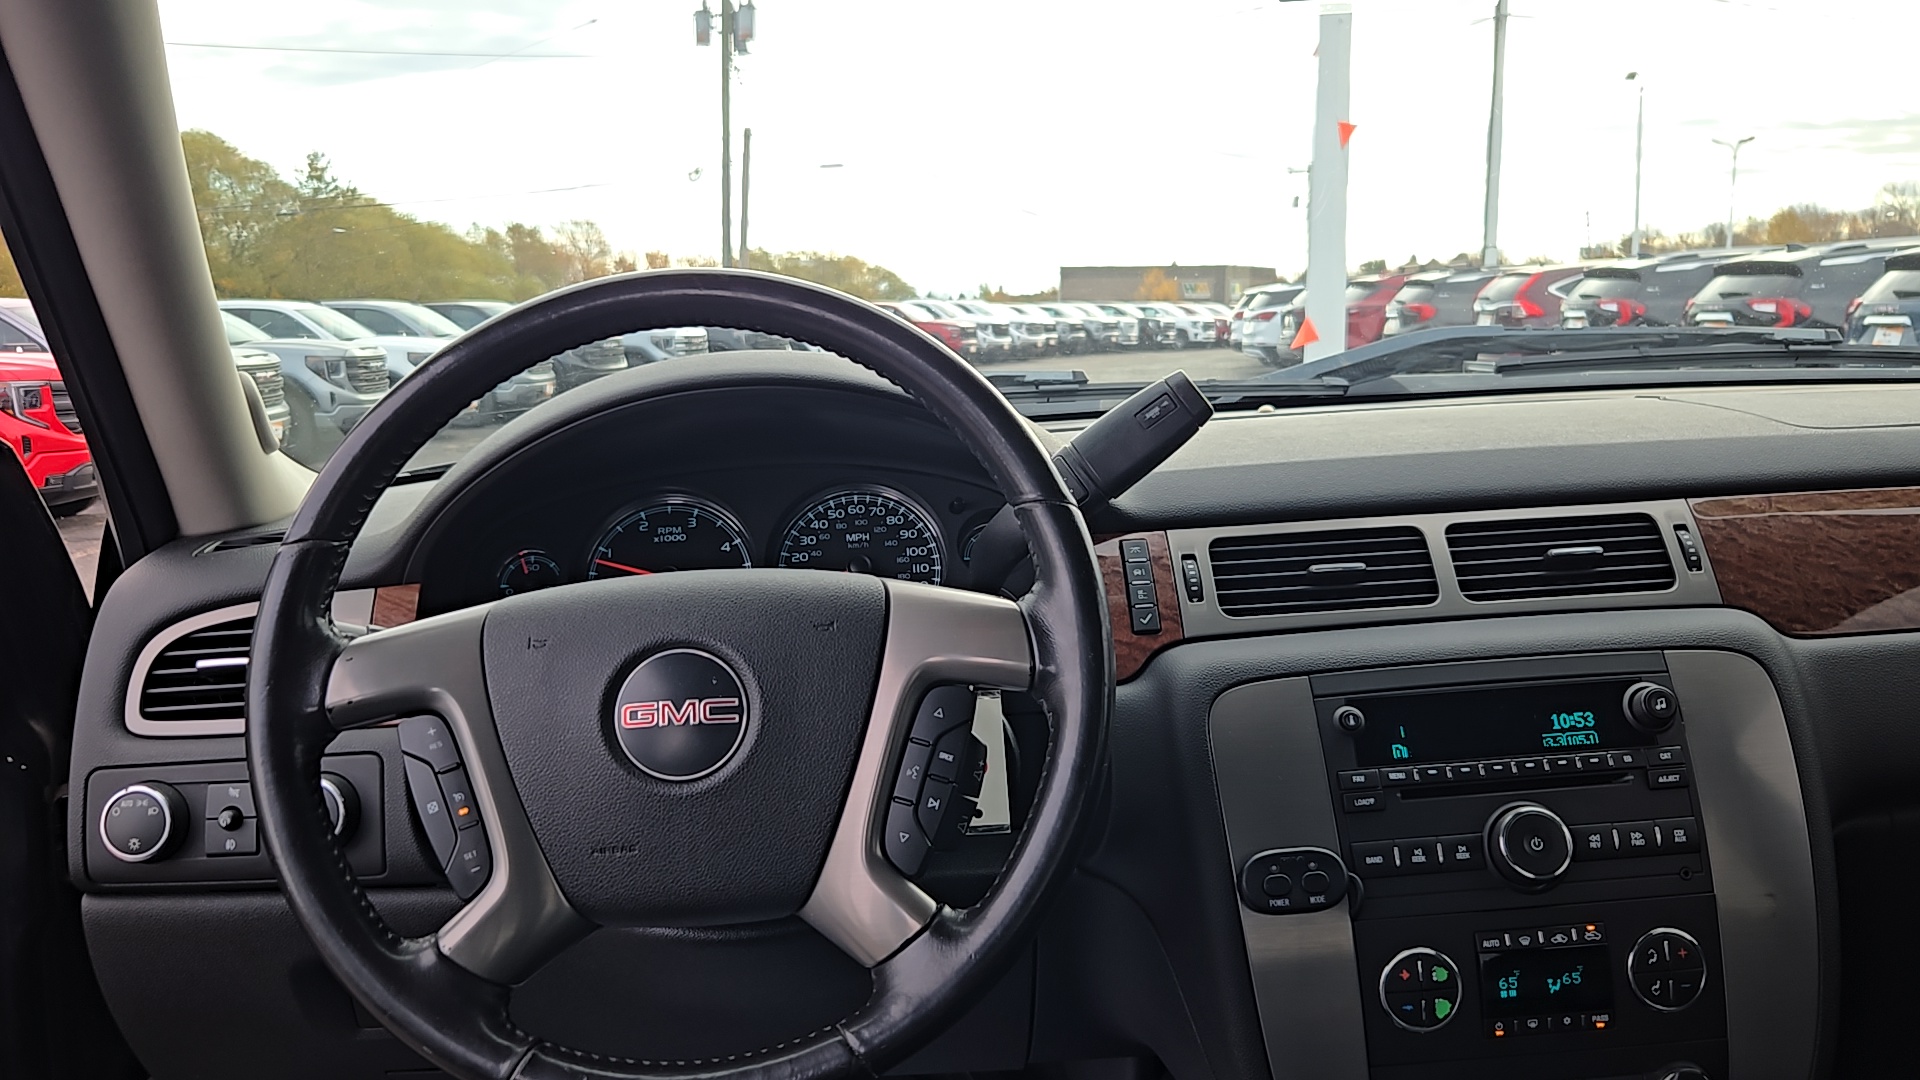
x=20, y=331
x=1179, y=328
x=1367, y=300
x=995, y=334
x=1102, y=330
x=1250, y=326
x=575, y=367
x=1434, y=299
x=39, y=425
x=1147, y=328
x=1070, y=335
x=1222, y=315
x=1810, y=287
x=1122, y=332
x=1027, y=335
x=467, y=314
x=298, y=319
x=327, y=385
x=687, y=340
x=1527, y=296
x=1883, y=314
x=962, y=336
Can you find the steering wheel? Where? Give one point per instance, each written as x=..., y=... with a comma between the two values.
x=675, y=750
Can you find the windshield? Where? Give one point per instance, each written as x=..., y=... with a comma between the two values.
x=335, y=325
x=1893, y=285
x=240, y=331
x=1605, y=288
x=26, y=314
x=1741, y=286
x=303, y=195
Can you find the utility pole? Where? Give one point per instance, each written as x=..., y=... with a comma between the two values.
x=726, y=132
x=746, y=188
x=1639, y=141
x=1490, y=245
x=736, y=29
x=1733, y=179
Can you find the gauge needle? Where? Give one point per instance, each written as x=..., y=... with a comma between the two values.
x=621, y=566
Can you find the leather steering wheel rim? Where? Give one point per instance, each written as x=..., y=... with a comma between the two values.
x=460, y=1020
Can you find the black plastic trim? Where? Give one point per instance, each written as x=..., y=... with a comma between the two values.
x=57, y=282
x=1482, y=671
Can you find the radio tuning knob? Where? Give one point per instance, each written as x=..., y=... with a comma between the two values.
x=1651, y=707
x=1529, y=845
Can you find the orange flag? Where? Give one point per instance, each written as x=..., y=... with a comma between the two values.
x=1307, y=335
x=1346, y=132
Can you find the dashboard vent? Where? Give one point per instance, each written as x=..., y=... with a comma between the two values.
x=200, y=676
x=1296, y=573
x=1570, y=556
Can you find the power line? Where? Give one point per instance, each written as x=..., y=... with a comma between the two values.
x=515, y=55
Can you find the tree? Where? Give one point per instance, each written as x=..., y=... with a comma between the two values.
x=1371, y=266
x=856, y=277
x=1156, y=285
x=584, y=250
x=658, y=260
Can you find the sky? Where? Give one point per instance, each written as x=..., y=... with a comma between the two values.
x=996, y=140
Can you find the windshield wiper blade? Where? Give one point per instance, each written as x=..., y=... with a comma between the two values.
x=1240, y=393
x=1448, y=349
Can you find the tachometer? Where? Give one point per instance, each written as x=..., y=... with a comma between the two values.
x=866, y=531
x=677, y=534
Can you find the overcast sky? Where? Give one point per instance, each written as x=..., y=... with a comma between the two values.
x=996, y=140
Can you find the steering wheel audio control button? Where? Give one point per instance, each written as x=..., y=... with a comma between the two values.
x=142, y=822
x=943, y=709
x=913, y=771
x=906, y=846
x=427, y=738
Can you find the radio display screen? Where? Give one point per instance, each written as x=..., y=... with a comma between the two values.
x=1507, y=721
x=1537, y=982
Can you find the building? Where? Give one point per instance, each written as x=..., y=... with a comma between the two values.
x=1176, y=282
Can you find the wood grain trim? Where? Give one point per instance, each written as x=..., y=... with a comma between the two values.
x=395, y=605
x=1130, y=650
x=1818, y=562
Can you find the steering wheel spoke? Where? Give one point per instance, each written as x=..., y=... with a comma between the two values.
x=934, y=636
x=434, y=668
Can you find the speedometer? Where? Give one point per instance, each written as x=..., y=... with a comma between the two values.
x=866, y=531
x=676, y=534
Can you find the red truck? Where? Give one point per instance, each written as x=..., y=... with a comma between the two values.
x=39, y=425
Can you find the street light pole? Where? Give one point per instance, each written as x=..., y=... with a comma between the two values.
x=1639, y=142
x=746, y=189
x=1733, y=179
x=1490, y=245
x=726, y=132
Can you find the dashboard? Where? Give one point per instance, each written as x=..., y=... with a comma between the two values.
x=1437, y=824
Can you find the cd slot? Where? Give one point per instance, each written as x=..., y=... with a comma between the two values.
x=1534, y=783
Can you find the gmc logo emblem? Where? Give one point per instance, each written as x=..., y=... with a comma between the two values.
x=713, y=710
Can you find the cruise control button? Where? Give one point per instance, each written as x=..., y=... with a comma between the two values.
x=906, y=845
x=472, y=864
x=427, y=738
x=459, y=795
x=424, y=788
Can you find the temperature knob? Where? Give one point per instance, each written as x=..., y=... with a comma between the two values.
x=142, y=822
x=1529, y=844
x=1420, y=989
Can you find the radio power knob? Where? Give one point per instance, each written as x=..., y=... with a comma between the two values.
x=1529, y=845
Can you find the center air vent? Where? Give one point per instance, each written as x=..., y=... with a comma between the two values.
x=1296, y=573
x=1570, y=556
x=198, y=678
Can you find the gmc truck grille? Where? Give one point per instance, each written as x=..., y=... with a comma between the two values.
x=368, y=374
x=63, y=409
